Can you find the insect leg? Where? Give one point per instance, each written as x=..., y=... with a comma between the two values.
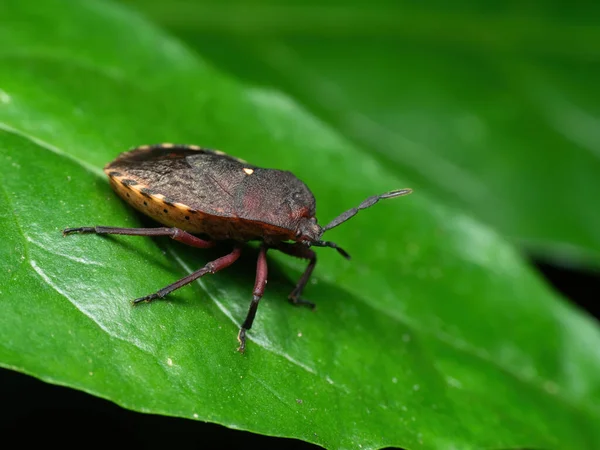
x=300, y=251
x=211, y=267
x=173, y=233
x=259, y=289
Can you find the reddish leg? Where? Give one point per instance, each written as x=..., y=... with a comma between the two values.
x=259, y=289
x=173, y=233
x=300, y=251
x=211, y=267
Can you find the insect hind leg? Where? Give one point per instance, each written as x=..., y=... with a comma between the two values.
x=174, y=233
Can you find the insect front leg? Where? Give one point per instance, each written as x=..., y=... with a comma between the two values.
x=300, y=251
x=174, y=233
x=259, y=289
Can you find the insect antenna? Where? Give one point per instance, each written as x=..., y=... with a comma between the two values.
x=365, y=204
x=352, y=212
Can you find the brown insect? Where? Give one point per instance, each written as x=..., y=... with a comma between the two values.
x=205, y=196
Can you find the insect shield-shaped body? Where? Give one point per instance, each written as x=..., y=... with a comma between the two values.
x=205, y=196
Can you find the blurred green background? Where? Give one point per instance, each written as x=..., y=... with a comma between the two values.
x=491, y=106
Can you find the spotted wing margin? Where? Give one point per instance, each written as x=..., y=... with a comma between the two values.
x=202, y=179
x=157, y=152
x=200, y=184
x=169, y=212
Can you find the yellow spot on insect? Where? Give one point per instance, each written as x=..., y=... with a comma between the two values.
x=219, y=152
x=181, y=206
x=167, y=145
x=194, y=147
x=158, y=196
x=248, y=171
x=143, y=147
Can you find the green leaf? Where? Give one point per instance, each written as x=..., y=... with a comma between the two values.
x=492, y=108
x=436, y=335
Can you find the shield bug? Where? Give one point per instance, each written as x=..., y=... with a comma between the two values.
x=205, y=196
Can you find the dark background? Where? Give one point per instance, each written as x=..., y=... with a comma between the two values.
x=37, y=413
